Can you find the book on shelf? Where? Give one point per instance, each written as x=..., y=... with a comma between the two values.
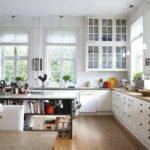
x=34, y=107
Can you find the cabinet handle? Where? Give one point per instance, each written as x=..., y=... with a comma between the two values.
x=141, y=111
x=124, y=112
x=0, y=117
x=129, y=105
x=129, y=99
x=148, y=137
x=124, y=98
x=149, y=130
x=129, y=116
x=141, y=124
x=149, y=107
x=149, y=122
x=124, y=103
x=149, y=115
x=141, y=104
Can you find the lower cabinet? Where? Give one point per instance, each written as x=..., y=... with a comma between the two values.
x=95, y=101
x=134, y=114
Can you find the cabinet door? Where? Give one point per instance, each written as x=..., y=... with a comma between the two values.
x=120, y=30
x=107, y=30
x=93, y=29
x=93, y=57
x=120, y=57
x=148, y=123
x=88, y=101
x=104, y=102
x=107, y=57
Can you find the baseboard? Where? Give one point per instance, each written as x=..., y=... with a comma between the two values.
x=96, y=113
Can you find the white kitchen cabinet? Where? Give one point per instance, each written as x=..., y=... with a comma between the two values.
x=104, y=102
x=147, y=112
x=88, y=101
x=134, y=114
x=95, y=101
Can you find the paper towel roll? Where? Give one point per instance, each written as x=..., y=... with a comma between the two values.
x=147, y=84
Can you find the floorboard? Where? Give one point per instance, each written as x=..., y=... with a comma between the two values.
x=99, y=133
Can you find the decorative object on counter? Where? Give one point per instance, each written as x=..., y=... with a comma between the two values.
x=66, y=79
x=137, y=79
x=145, y=92
x=101, y=84
x=88, y=84
x=107, y=85
x=147, y=61
x=37, y=64
x=2, y=87
x=43, y=83
x=113, y=81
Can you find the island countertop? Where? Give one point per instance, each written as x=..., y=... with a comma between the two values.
x=51, y=95
x=28, y=140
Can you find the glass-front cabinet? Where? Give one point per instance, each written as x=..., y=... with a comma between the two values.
x=107, y=53
x=107, y=30
x=121, y=57
x=105, y=58
x=93, y=57
x=106, y=41
x=120, y=30
x=93, y=29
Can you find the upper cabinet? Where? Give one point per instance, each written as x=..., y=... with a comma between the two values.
x=106, y=41
x=120, y=30
x=93, y=29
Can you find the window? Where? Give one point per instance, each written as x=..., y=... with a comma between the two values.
x=137, y=46
x=61, y=47
x=14, y=54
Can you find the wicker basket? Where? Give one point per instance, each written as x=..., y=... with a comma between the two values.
x=145, y=92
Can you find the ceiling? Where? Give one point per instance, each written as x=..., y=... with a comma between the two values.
x=66, y=7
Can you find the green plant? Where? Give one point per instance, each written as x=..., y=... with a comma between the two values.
x=66, y=77
x=137, y=76
x=19, y=78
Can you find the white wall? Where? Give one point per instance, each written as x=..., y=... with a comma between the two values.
x=143, y=10
x=37, y=47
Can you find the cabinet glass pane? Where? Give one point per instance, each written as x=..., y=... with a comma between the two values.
x=91, y=37
x=95, y=49
x=109, y=37
x=90, y=21
x=104, y=37
x=90, y=29
x=118, y=22
x=96, y=37
x=109, y=22
x=123, y=22
x=95, y=29
x=104, y=22
x=96, y=22
x=109, y=65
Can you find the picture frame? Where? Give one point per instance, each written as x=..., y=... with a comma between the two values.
x=37, y=64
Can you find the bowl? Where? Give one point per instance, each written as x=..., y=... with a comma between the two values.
x=145, y=92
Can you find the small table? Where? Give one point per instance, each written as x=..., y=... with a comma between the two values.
x=28, y=140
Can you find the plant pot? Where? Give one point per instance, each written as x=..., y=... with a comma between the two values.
x=50, y=109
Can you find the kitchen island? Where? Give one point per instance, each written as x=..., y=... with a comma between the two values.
x=35, y=105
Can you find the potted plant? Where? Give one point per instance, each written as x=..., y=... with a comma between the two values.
x=66, y=78
x=19, y=79
x=137, y=76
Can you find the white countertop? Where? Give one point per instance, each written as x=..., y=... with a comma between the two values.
x=50, y=95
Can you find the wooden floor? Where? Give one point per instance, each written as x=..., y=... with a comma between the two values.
x=98, y=133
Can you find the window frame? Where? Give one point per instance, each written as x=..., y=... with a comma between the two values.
x=15, y=58
x=47, y=61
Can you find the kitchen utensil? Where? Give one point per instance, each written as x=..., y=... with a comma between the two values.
x=113, y=81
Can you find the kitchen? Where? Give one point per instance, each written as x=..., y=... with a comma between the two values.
x=69, y=69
